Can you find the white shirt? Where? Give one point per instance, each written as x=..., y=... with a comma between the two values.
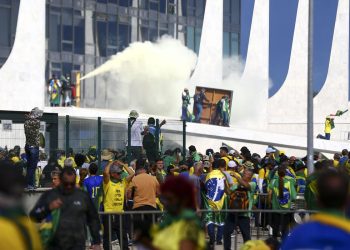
x=136, y=137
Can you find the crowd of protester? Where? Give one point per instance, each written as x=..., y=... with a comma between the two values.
x=62, y=91
x=193, y=201
x=212, y=182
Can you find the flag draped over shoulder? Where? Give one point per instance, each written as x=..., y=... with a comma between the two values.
x=214, y=198
x=215, y=189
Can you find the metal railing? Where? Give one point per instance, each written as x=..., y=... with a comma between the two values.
x=256, y=231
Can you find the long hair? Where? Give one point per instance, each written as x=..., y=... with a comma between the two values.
x=281, y=174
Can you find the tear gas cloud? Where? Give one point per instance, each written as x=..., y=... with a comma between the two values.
x=148, y=77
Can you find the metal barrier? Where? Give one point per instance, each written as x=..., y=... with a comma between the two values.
x=80, y=134
x=256, y=231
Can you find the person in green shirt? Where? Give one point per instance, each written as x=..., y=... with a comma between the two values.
x=281, y=194
x=194, y=154
x=242, y=220
x=311, y=186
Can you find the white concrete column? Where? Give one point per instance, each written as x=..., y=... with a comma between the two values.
x=22, y=77
x=208, y=71
x=288, y=105
x=335, y=91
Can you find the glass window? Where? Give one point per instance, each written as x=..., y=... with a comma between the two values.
x=102, y=1
x=124, y=35
x=234, y=44
x=55, y=33
x=200, y=8
x=124, y=3
x=197, y=38
x=162, y=6
x=68, y=47
x=184, y=7
x=67, y=68
x=113, y=1
x=79, y=36
x=227, y=7
x=5, y=27
x=67, y=32
x=190, y=37
x=101, y=37
x=153, y=34
x=235, y=11
x=143, y=4
x=226, y=44
x=112, y=32
x=144, y=34
x=153, y=5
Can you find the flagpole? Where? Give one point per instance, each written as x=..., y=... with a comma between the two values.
x=310, y=105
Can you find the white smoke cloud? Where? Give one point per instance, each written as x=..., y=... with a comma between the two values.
x=148, y=77
x=249, y=96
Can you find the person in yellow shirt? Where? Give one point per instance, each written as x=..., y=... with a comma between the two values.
x=328, y=126
x=17, y=231
x=225, y=156
x=114, y=187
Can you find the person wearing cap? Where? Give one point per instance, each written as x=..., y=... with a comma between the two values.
x=136, y=135
x=114, y=188
x=31, y=130
x=186, y=101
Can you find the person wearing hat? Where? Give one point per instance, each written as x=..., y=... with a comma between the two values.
x=114, y=190
x=31, y=130
x=186, y=101
x=106, y=157
x=136, y=135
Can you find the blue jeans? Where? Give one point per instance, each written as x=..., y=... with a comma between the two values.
x=211, y=233
x=184, y=116
x=32, y=162
x=225, y=118
x=233, y=220
x=199, y=110
x=327, y=136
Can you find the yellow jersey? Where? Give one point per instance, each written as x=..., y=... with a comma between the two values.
x=114, y=196
x=327, y=126
x=12, y=238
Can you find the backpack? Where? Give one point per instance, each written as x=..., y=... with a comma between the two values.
x=239, y=199
x=149, y=141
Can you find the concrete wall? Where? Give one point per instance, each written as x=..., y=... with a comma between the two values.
x=22, y=77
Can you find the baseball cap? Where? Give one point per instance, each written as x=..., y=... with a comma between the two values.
x=232, y=164
x=114, y=169
x=231, y=152
x=205, y=157
x=270, y=150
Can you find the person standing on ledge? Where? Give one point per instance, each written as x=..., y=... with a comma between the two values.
x=199, y=99
x=186, y=101
x=31, y=130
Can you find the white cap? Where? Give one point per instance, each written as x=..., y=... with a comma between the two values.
x=231, y=152
x=270, y=150
x=85, y=165
x=232, y=164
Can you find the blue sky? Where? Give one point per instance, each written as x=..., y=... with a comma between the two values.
x=282, y=22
